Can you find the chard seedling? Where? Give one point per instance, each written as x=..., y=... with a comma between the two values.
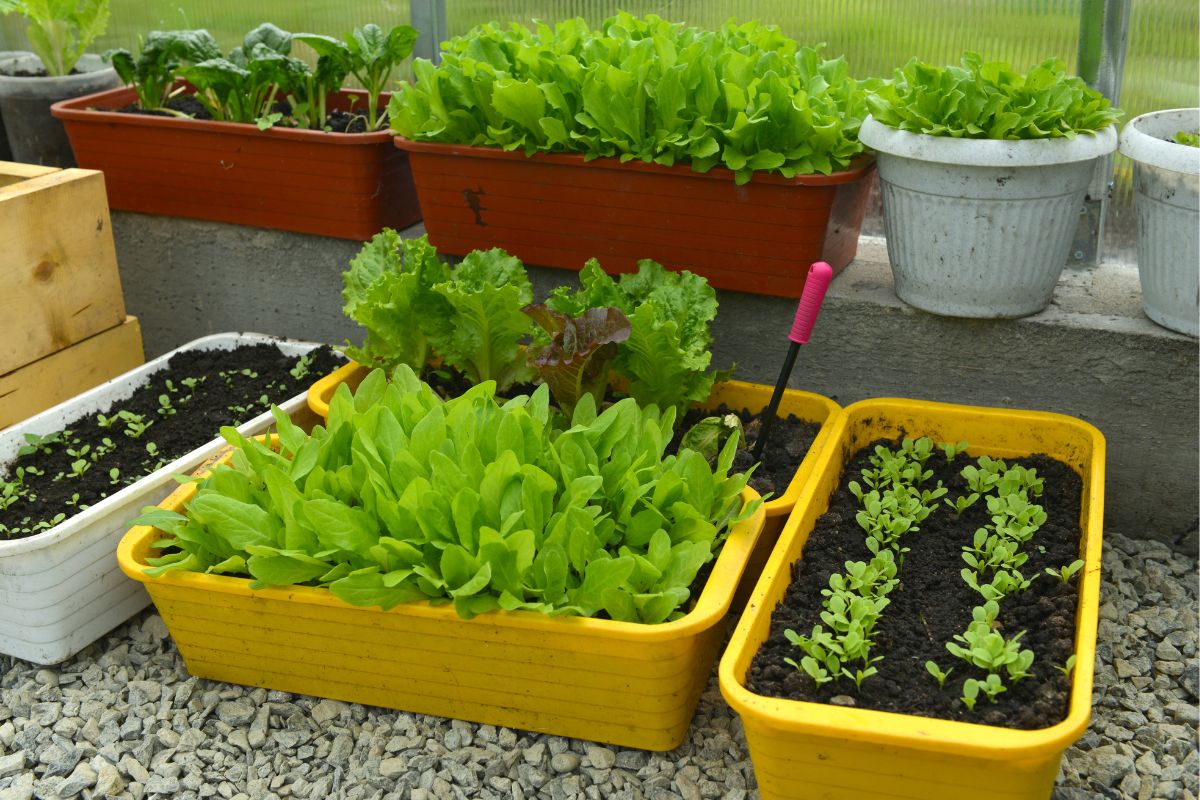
x=107, y=422
x=933, y=669
x=152, y=449
x=1068, y=668
x=164, y=405
x=73, y=501
x=192, y=383
x=1066, y=572
x=951, y=449
x=114, y=476
x=79, y=467
x=300, y=369
x=961, y=503
x=991, y=688
x=135, y=424
x=34, y=442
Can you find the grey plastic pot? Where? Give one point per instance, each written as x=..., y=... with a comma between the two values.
x=1166, y=180
x=34, y=136
x=980, y=227
x=5, y=150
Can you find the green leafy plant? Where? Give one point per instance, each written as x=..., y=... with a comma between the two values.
x=744, y=96
x=1187, y=139
x=709, y=435
x=375, y=55
x=244, y=86
x=1067, y=668
x=160, y=55
x=1067, y=571
x=933, y=669
x=991, y=688
x=988, y=100
x=60, y=31
x=667, y=357
x=485, y=504
x=575, y=362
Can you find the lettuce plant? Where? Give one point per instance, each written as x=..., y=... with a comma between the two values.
x=988, y=100
x=160, y=56
x=575, y=362
x=388, y=290
x=744, y=96
x=60, y=31
x=485, y=504
x=667, y=356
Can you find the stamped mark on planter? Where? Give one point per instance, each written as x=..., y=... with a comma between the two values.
x=472, y=198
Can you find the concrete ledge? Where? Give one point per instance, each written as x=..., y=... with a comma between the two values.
x=1092, y=354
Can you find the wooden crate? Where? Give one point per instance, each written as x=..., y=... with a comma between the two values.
x=64, y=374
x=58, y=265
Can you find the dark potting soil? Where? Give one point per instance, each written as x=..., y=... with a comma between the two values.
x=932, y=604
x=38, y=73
x=336, y=121
x=789, y=441
x=184, y=104
x=206, y=388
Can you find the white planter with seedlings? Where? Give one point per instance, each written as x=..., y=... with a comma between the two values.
x=61, y=589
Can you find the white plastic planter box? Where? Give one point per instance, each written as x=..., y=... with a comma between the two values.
x=1166, y=177
x=61, y=589
x=980, y=227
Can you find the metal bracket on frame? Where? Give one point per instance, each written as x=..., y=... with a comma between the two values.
x=1103, y=33
x=429, y=18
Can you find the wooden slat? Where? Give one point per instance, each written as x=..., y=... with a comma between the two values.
x=58, y=265
x=13, y=172
x=50, y=380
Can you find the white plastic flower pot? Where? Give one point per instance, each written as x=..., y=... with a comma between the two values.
x=981, y=227
x=1166, y=179
x=61, y=589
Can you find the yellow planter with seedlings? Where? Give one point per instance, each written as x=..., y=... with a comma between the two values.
x=737, y=395
x=812, y=750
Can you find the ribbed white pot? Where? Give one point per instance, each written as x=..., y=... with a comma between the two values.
x=61, y=589
x=1166, y=180
x=980, y=227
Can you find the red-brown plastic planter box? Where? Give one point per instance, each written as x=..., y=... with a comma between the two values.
x=331, y=184
x=560, y=210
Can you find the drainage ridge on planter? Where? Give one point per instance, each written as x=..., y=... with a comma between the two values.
x=346, y=185
x=623, y=683
x=980, y=227
x=802, y=749
x=61, y=589
x=559, y=210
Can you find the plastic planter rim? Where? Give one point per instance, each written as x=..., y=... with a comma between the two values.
x=1141, y=140
x=1002, y=153
x=909, y=730
x=860, y=166
x=708, y=610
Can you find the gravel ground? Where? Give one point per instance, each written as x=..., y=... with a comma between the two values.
x=124, y=719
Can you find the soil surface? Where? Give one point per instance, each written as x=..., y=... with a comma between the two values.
x=932, y=604
x=37, y=73
x=206, y=389
x=335, y=121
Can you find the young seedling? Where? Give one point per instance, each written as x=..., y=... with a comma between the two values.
x=961, y=503
x=79, y=467
x=107, y=422
x=1066, y=572
x=34, y=442
x=192, y=383
x=135, y=424
x=951, y=449
x=302, y=365
x=991, y=687
x=164, y=405
x=933, y=669
x=114, y=476
x=152, y=449
x=1068, y=668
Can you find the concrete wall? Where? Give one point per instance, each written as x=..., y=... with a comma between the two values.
x=1092, y=354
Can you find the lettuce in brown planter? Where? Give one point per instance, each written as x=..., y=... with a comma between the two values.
x=730, y=153
x=255, y=138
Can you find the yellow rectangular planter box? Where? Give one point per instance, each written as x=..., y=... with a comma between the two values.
x=734, y=394
x=811, y=750
x=622, y=683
